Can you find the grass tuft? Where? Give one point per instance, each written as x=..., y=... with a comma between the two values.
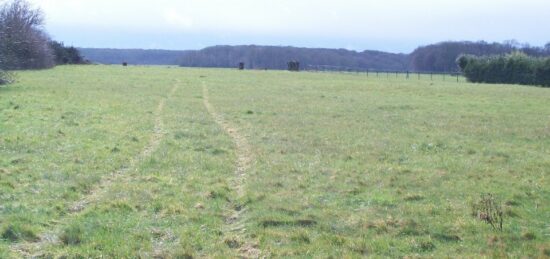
x=16, y=232
x=528, y=236
x=232, y=243
x=72, y=235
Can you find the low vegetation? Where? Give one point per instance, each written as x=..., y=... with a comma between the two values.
x=6, y=78
x=515, y=68
x=107, y=161
x=489, y=209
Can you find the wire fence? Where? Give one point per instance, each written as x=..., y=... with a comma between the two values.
x=389, y=74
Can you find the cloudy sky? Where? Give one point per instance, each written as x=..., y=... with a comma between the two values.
x=389, y=25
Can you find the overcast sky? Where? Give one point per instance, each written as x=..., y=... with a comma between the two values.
x=388, y=25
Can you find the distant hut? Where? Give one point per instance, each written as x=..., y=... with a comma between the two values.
x=241, y=66
x=294, y=66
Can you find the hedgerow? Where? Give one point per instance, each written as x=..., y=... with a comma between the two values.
x=514, y=68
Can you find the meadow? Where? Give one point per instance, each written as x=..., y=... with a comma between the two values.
x=166, y=162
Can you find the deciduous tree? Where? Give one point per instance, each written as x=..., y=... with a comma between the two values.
x=23, y=42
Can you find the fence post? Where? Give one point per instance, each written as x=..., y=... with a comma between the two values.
x=431, y=76
x=457, y=77
x=407, y=74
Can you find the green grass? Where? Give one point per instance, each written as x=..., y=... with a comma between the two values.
x=343, y=164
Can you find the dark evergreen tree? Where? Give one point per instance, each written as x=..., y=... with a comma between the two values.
x=66, y=55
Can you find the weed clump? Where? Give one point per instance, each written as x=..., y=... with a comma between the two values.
x=16, y=232
x=489, y=210
x=423, y=245
x=302, y=238
x=528, y=236
x=414, y=197
x=232, y=243
x=297, y=223
x=72, y=235
x=427, y=246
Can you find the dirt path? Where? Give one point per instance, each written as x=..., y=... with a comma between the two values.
x=95, y=195
x=234, y=232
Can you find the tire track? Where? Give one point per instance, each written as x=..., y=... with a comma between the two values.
x=154, y=142
x=95, y=195
x=234, y=232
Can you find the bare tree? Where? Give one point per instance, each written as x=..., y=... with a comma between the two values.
x=23, y=43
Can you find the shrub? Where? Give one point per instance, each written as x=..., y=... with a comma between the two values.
x=6, y=78
x=489, y=210
x=515, y=68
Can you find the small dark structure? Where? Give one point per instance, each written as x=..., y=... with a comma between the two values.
x=124, y=64
x=241, y=66
x=294, y=66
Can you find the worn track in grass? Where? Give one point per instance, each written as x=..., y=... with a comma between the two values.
x=95, y=195
x=235, y=233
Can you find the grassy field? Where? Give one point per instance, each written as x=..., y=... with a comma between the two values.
x=177, y=163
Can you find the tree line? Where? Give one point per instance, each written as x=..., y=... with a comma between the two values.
x=441, y=57
x=438, y=57
x=23, y=42
x=133, y=56
x=275, y=57
x=514, y=68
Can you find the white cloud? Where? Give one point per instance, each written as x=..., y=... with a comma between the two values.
x=177, y=19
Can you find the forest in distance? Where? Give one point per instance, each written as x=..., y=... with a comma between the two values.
x=439, y=57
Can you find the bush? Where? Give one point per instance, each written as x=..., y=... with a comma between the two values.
x=489, y=210
x=515, y=68
x=6, y=78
